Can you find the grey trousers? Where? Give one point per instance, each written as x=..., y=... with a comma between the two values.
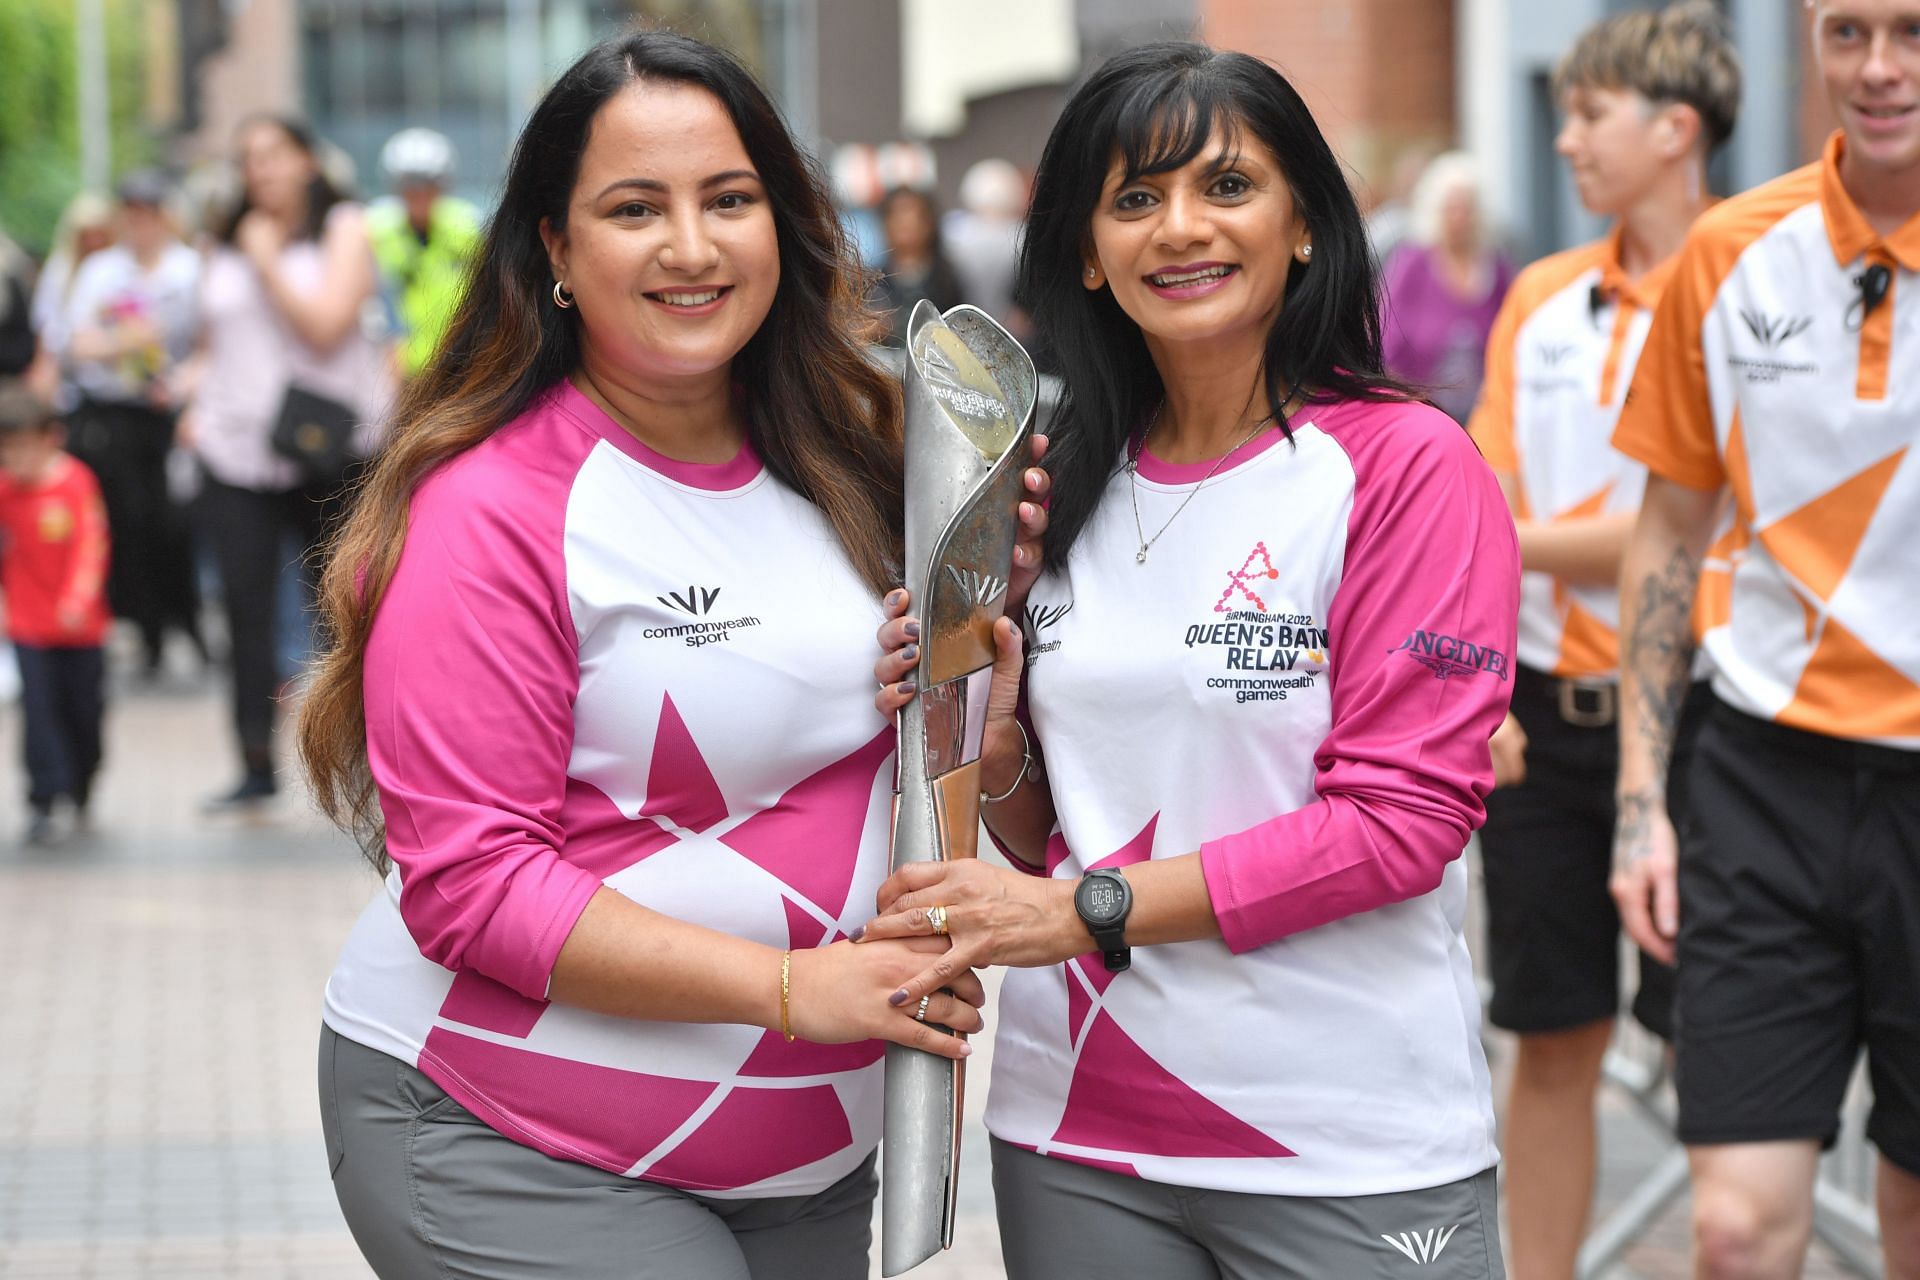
x=1065, y=1221
x=432, y=1193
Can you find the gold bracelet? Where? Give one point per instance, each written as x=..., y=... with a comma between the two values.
x=786, y=994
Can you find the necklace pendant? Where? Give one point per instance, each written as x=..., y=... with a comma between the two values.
x=1140, y=556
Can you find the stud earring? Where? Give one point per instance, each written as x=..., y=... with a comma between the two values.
x=1306, y=251
x=562, y=296
x=1090, y=273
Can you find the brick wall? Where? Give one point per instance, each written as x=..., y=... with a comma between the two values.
x=1378, y=74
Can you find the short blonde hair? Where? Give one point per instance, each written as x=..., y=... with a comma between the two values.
x=1683, y=53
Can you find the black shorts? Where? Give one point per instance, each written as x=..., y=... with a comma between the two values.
x=1799, y=937
x=1553, y=932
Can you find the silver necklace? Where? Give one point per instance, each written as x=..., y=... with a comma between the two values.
x=1133, y=486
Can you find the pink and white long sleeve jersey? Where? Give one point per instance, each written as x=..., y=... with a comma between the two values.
x=597, y=666
x=1299, y=682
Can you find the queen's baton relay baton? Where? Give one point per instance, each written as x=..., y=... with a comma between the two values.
x=969, y=410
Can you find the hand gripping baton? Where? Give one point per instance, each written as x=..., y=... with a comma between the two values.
x=970, y=393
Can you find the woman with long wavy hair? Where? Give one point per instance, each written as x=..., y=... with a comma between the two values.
x=598, y=703
x=1240, y=1036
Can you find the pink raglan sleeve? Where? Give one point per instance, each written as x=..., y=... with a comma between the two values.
x=471, y=673
x=1420, y=651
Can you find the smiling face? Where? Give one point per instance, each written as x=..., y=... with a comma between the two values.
x=1613, y=143
x=670, y=247
x=1199, y=253
x=1869, y=56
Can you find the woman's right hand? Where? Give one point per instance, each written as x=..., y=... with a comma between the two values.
x=839, y=993
x=1004, y=744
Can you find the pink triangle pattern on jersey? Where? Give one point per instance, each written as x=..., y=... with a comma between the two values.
x=680, y=786
x=827, y=811
x=1138, y=849
x=1079, y=1006
x=1122, y=1100
x=603, y=840
x=756, y=1134
x=611, y=1117
x=476, y=1000
x=774, y=1056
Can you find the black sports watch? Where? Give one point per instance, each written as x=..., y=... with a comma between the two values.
x=1103, y=899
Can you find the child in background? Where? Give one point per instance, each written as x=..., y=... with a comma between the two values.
x=53, y=568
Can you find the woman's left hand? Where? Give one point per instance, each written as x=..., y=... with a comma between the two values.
x=995, y=915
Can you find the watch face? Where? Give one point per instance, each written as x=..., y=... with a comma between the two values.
x=1101, y=899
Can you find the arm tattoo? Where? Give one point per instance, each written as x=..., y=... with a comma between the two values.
x=1659, y=655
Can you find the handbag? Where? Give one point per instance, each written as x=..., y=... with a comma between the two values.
x=316, y=433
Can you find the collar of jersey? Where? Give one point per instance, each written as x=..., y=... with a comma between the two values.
x=1848, y=229
x=1643, y=293
x=714, y=477
x=1160, y=471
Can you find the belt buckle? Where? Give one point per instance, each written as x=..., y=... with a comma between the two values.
x=1588, y=706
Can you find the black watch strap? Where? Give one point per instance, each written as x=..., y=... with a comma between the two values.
x=1110, y=933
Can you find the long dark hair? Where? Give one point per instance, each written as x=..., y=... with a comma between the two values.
x=824, y=419
x=322, y=195
x=1156, y=108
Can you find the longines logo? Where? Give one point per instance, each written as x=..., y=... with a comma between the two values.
x=697, y=602
x=1773, y=331
x=1448, y=656
x=1553, y=354
x=1036, y=618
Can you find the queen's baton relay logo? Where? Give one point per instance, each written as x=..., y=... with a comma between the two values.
x=1266, y=650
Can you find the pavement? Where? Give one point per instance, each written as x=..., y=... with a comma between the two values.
x=160, y=984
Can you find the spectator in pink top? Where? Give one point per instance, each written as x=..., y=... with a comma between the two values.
x=598, y=707
x=1444, y=285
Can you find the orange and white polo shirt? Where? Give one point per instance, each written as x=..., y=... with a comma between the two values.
x=1765, y=373
x=1559, y=361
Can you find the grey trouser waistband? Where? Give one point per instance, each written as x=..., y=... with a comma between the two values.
x=429, y=1190
x=1065, y=1221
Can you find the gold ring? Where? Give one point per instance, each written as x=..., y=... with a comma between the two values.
x=920, y=1015
x=937, y=918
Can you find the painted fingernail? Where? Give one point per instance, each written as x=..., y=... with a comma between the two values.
x=898, y=998
x=913, y=630
x=895, y=596
x=858, y=932
x=966, y=1050
x=1035, y=477
x=907, y=688
x=910, y=654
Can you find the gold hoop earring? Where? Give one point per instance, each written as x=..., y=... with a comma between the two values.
x=562, y=298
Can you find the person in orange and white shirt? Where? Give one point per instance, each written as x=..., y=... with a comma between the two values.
x=1646, y=97
x=1781, y=369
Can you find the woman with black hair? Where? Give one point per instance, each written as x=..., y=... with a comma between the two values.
x=280, y=307
x=1242, y=1036
x=598, y=707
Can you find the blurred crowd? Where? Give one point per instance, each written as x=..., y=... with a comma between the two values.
x=202, y=365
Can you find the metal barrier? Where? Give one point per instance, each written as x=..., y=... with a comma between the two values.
x=1843, y=1214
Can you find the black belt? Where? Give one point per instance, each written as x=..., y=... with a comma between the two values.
x=1582, y=703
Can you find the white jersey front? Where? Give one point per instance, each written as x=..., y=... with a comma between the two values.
x=1298, y=682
